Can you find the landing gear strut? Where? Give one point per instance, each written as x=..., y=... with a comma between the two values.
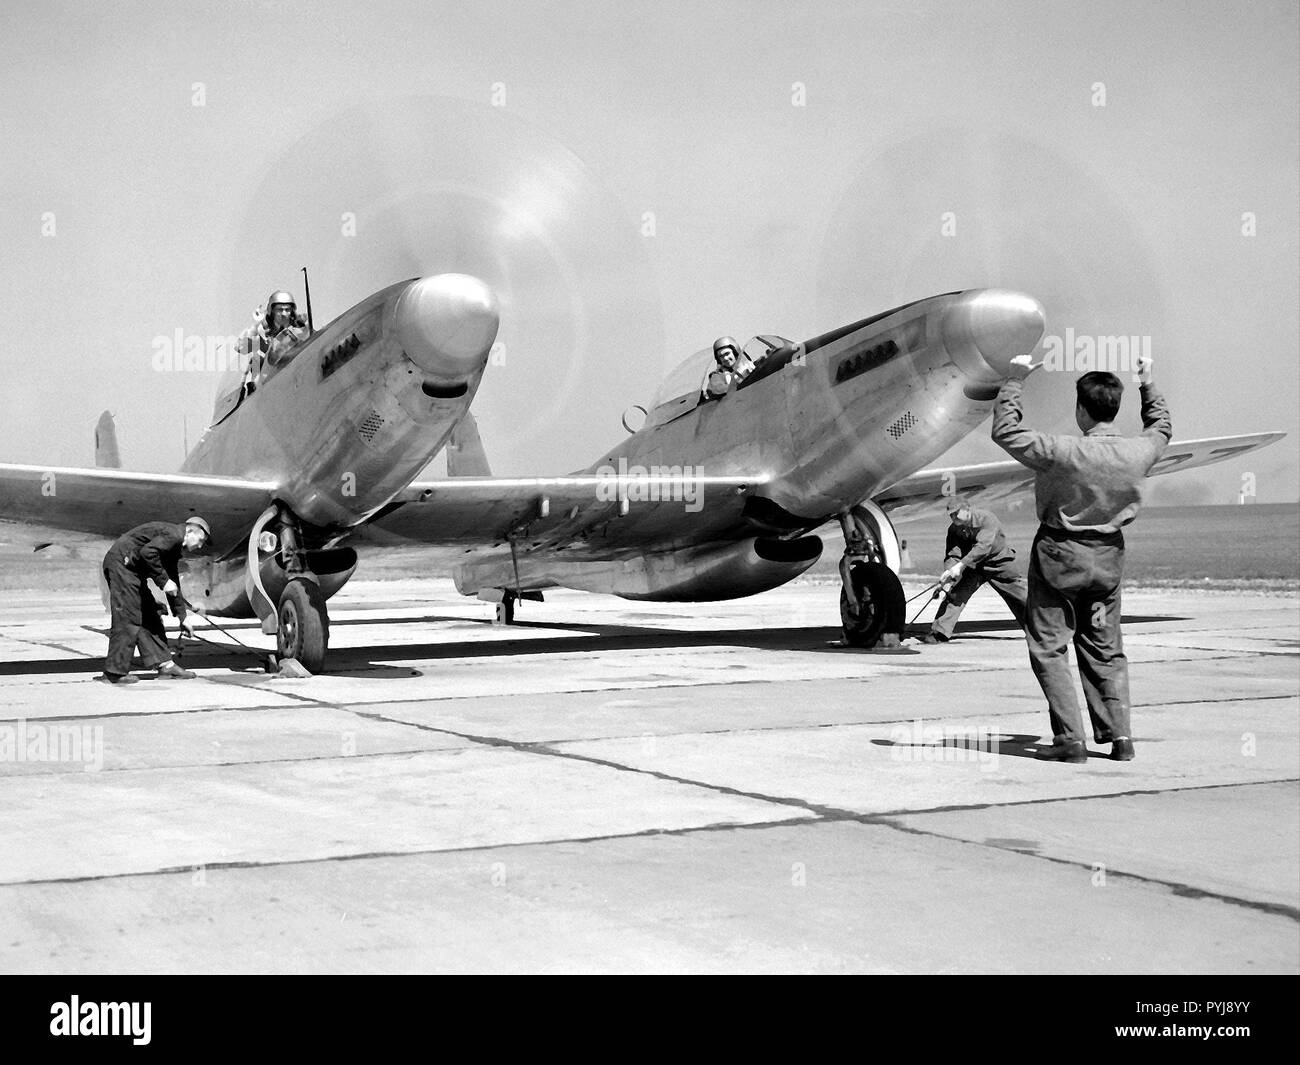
x=287, y=585
x=505, y=612
x=881, y=613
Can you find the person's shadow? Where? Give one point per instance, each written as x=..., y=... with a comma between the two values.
x=971, y=741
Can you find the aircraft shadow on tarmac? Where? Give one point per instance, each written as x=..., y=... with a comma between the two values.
x=365, y=660
x=973, y=629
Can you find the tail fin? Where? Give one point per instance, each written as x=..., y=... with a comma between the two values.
x=465, y=454
x=106, y=454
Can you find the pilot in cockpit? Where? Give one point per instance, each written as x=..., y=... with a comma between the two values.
x=732, y=367
x=272, y=341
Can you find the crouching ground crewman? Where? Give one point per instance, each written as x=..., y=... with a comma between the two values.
x=151, y=551
x=1086, y=490
x=977, y=553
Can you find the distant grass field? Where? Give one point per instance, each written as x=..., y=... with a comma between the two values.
x=1178, y=546
x=1209, y=547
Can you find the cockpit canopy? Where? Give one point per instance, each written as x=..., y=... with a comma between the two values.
x=681, y=388
x=229, y=394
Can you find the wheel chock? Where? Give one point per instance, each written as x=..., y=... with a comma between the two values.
x=291, y=667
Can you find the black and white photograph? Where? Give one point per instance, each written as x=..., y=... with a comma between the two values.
x=650, y=488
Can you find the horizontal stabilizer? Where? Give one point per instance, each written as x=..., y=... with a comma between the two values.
x=465, y=454
x=107, y=456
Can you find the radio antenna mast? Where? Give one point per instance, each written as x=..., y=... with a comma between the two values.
x=311, y=328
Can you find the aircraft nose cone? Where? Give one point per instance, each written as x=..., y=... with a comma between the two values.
x=446, y=325
x=984, y=331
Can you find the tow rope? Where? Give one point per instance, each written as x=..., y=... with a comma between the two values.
x=923, y=591
x=939, y=592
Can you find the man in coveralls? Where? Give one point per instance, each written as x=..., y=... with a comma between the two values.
x=149, y=551
x=977, y=552
x=1086, y=490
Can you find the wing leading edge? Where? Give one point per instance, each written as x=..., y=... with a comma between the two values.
x=482, y=511
x=104, y=503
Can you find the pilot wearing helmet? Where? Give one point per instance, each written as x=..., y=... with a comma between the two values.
x=732, y=367
x=271, y=342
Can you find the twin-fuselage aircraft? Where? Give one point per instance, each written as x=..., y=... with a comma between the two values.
x=708, y=499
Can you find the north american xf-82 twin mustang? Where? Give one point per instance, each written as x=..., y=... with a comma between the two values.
x=706, y=500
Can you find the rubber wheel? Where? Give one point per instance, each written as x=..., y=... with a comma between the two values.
x=506, y=610
x=304, y=625
x=883, y=609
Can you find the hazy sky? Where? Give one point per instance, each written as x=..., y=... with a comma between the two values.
x=165, y=166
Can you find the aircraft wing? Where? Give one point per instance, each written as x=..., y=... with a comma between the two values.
x=924, y=494
x=482, y=511
x=65, y=504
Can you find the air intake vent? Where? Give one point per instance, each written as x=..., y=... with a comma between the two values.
x=370, y=426
x=902, y=424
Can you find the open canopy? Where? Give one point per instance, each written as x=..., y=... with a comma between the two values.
x=680, y=389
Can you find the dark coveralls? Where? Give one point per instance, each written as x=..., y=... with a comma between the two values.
x=1087, y=489
x=151, y=550
x=985, y=555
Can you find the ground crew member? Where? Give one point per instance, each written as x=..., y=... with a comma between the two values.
x=272, y=341
x=150, y=551
x=1086, y=490
x=977, y=553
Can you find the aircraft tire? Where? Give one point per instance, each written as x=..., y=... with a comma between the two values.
x=304, y=628
x=884, y=606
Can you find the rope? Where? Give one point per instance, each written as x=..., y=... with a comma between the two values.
x=923, y=591
x=226, y=632
x=222, y=646
x=924, y=605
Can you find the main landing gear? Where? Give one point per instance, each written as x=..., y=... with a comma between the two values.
x=882, y=606
x=303, y=631
x=505, y=601
x=287, y=586
x=505, y=612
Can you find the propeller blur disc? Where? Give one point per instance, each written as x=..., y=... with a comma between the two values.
x=427, y=185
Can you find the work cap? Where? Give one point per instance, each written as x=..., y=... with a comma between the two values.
x=955, y=503
x=195, y=520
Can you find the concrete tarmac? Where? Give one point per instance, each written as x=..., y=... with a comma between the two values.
x=627, y=787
